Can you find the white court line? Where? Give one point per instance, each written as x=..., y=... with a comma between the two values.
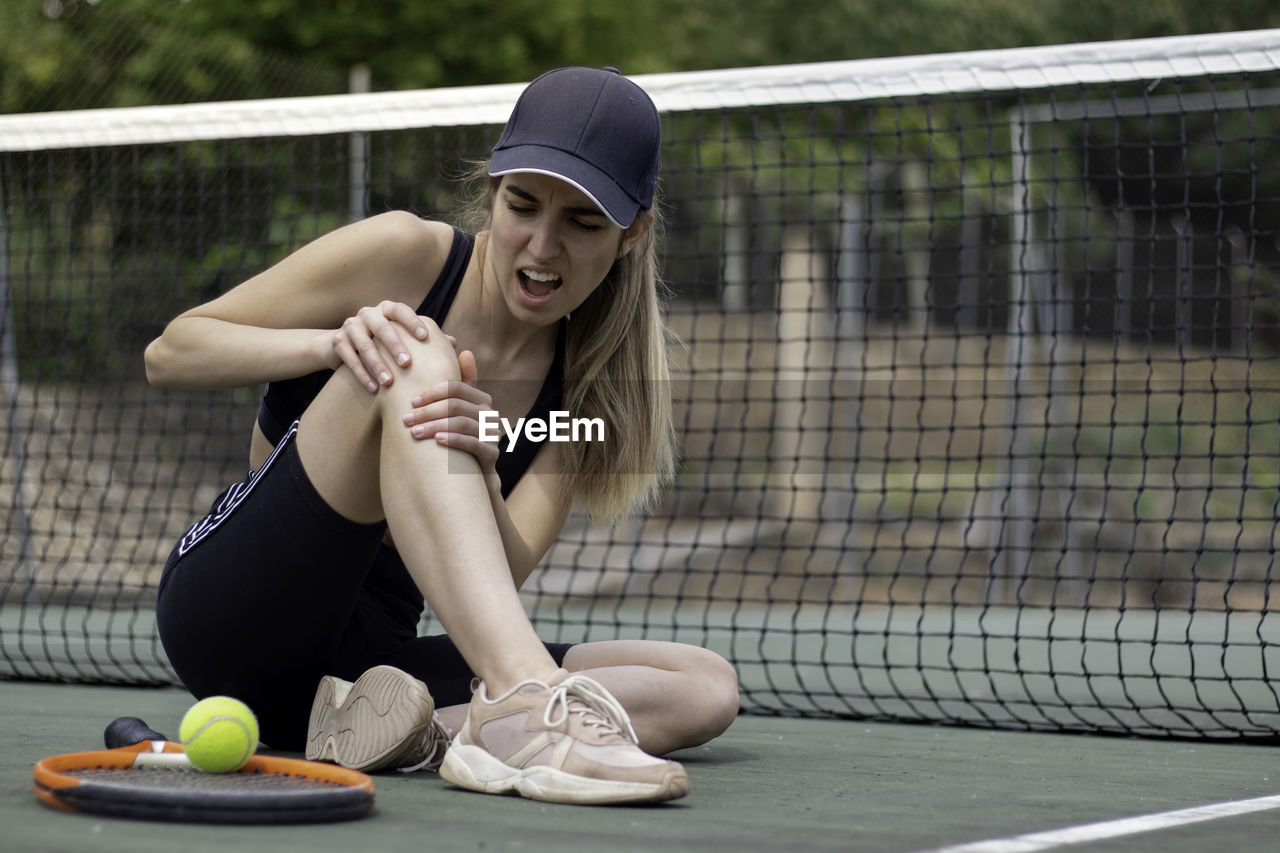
x=1036, y=841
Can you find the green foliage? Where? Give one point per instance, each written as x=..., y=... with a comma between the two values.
x=75, y=54
x=411, y=44
x=68, y=54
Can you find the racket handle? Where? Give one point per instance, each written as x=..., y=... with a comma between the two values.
x=127, y=731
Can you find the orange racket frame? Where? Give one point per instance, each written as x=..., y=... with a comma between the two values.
x=346, y=794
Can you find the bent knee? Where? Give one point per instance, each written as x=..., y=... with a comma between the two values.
x=717, y=686
x=727, y=701
x=430, y=360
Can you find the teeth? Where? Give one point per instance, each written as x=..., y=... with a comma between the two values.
x=541, y=276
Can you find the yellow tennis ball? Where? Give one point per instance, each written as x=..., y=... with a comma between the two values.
x=219, y=734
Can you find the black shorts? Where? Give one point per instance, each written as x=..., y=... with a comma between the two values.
x=274, y=590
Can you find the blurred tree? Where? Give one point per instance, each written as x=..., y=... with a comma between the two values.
x=411, y=44
x=64, y=54
x=730, y=33
x=82, y=54
x=75, y=54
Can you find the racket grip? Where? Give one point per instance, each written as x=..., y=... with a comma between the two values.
x=127, y=731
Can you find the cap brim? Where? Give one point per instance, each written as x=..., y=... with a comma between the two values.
x=615, y=204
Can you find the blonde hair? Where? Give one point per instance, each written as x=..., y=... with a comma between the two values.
x=617, y=369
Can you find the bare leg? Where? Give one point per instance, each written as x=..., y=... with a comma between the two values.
x=676, y=695
x=364, y=463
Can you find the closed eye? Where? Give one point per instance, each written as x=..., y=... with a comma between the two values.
x=523, y=203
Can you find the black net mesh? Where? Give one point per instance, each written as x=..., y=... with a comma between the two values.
x=980, y=404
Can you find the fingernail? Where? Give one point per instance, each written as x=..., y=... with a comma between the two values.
x=402, y=359
x=418, y=431
x=384, y=377
x=373, y=386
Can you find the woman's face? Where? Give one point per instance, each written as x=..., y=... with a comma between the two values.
x=551, y=246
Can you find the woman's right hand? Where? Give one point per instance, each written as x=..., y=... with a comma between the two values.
x=366, y=339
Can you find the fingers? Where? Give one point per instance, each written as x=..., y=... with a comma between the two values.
x=446, y=402
x=367, y=340
x=485, y=452
x=349, y=343
x=452, y=390
x=451, y=414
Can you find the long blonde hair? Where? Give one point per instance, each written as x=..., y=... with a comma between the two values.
x=617, y=369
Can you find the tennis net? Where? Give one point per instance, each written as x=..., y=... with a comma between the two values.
x=980, y=404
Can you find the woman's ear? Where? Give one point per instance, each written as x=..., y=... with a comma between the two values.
x=636, y=232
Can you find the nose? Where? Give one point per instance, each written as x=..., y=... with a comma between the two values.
x=544, y=242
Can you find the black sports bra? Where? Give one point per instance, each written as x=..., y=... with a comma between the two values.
x=285, y=400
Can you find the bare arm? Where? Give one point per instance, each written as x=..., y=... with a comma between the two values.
x=289, y=320
x=533, y=515
x=205, y=353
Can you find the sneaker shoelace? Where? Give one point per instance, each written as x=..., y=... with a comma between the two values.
x=595, y=704
x=429, y=752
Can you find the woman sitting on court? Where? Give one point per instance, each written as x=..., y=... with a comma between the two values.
x=385, y=343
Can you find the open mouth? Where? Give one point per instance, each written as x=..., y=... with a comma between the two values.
x=538, y=285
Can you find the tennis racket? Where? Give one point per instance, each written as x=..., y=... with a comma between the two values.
x=143, y=775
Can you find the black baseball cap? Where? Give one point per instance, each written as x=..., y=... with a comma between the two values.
x=591, y=127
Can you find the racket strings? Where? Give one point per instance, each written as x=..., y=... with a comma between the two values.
x=177, y=778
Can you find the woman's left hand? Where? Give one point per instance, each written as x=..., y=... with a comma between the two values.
x=450, y=413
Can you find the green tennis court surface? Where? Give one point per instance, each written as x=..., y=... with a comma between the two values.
x=768, y=784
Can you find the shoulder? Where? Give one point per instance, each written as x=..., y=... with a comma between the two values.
x=399, y=234
x=397, y=255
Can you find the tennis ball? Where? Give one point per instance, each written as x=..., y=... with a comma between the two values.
x=219, y=734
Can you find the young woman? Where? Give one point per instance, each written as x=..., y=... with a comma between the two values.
x=384, y=344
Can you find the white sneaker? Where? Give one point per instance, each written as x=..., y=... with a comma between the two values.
x=565, y=742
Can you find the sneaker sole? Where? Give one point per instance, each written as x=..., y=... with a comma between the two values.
x=376, y=723
x=470, y=767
